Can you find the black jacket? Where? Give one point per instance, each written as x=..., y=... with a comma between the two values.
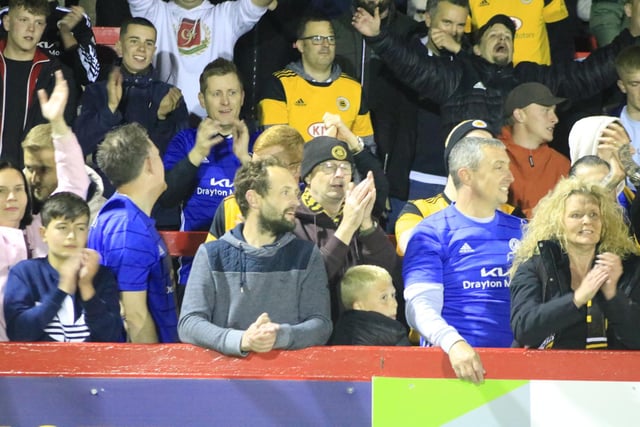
x=469, y=87
x=393, y=105
x=542, y=303
x=41, y=76
x=82, y=59
x=358, y=327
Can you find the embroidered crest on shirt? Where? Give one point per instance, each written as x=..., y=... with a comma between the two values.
x=193, y=37
x=513, y=247
x=342, y=103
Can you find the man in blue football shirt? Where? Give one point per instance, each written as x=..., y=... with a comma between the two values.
x=126, y=237
x=201, y=162
x=457, y=261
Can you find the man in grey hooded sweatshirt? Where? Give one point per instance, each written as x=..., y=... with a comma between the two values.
x=258, y=288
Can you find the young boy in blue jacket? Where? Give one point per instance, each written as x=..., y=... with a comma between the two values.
x=67, y=296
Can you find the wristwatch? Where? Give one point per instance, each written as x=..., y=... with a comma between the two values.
x=360, y=145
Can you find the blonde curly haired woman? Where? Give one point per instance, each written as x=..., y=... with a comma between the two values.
x=575, y=279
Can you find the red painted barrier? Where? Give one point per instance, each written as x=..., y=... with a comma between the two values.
x=107, y=36
x=183, y=243
x=318, y=363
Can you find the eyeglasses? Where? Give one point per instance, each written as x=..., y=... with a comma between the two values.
x=318, y=40
x=330, y=168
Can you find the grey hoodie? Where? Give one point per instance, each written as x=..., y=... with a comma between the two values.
x=232, y=283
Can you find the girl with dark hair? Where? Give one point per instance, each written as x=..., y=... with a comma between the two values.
x=15, y=217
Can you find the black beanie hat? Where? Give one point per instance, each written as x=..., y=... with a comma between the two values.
x=321, y=149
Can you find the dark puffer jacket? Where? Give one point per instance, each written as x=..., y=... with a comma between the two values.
x=469, y=87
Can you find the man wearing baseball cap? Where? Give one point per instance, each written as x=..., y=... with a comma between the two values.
x=532, y=42
x=530, y=111
x=337, y=215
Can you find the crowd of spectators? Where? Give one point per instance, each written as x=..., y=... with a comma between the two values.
x=311, y=131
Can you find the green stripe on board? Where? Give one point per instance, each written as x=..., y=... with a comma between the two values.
x=428, y=402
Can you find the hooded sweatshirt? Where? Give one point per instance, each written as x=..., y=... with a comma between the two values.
x=583, y=138
x=232, y=283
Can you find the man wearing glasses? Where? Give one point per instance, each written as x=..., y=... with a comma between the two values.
x=337, y=215
x=305, y=90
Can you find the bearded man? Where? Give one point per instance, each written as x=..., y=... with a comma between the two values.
x=258, y=288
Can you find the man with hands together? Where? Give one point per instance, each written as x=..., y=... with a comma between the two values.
x=336, y=214
x=364, y=160
x=66, y=296
x=258, y=287
x=132, y=93
x=260, y=336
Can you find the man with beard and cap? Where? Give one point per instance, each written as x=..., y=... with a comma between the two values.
x=530, y=109
x=258, y=288
x=456, y=266
x=393, y=107
x=531, y=42
x=476, y=84
x=337, y=215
